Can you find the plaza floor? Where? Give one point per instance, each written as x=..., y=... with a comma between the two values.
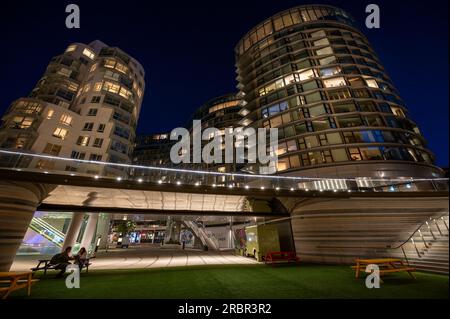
x=147, y=257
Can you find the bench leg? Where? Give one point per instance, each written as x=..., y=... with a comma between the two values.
x=29, y=284
x=357, y=270
x=412, y=275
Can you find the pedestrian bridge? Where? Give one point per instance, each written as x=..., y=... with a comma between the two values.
x=362, y=210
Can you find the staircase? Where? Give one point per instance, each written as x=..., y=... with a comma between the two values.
x=428, y=249
x=207, y=238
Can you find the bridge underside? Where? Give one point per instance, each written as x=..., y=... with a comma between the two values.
x=326, y=227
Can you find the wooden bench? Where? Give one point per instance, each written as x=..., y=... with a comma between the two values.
x=15, y=281
x=44, y=264
x=386, y=265
x=281, y=257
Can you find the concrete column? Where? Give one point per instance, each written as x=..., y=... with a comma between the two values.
x=103, y=229
x=18, y=202
x=74, y=230
x=173, y=229
x=89, y=232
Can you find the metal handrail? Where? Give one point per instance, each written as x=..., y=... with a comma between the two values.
x=414, y=233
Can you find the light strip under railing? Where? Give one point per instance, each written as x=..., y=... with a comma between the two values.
x=254, y=176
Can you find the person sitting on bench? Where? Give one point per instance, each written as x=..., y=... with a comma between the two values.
x=81, y=258
x=62, y=261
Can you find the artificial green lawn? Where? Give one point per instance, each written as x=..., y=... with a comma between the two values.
x=238, y=281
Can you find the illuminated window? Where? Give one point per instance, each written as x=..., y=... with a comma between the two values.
x=334, y=82
x=71, y=48
x=283, y=164
x=121, y=68
x=372, y=83
x=60, y=133
x=110, y=63
x=72, y=86
x=86, y=88
x=311, y=141
x=330, y=71
x=282, y=149
x=307, y=75
x=139, y=92
x=371, y=153
x=324, y=51
x=398, y=111
x=98, y=86
x=28, y=107
x=111, y=87
x=22, y=122
x=355, y=155
x=328, y=60
x=321, y=42
x=125, y=93
x=65, y=119
x=50, y=114
x=83, y=140
x=93, y=67
x=89, y=53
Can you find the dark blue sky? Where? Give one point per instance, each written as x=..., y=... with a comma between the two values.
x=186, y=48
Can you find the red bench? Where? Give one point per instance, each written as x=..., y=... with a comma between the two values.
x=280, y=257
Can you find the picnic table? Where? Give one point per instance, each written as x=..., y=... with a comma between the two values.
x=15, y=280
x=386, y=265
x=280, y=256
x=44, y=264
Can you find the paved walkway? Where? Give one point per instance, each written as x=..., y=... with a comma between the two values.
x=147, y=258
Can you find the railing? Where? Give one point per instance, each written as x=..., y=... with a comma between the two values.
x=47, y=231
x=422, y=231
x=207, y=239
x=49, y=164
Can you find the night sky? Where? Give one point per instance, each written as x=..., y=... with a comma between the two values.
x=186, y=48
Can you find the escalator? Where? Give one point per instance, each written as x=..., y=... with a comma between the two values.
x=47, y=231
x=207, y=238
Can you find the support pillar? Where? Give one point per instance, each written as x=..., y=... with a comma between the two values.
x=173, y=229
x=18, y=202
x=89, y=232
x=74, y=230
x=103, y=229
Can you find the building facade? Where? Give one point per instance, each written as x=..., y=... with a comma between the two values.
x=310, y=73
x=220, y=113
x=152, y=150
x=85, y=106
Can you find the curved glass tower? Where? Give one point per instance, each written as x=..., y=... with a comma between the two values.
x=309, y=72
